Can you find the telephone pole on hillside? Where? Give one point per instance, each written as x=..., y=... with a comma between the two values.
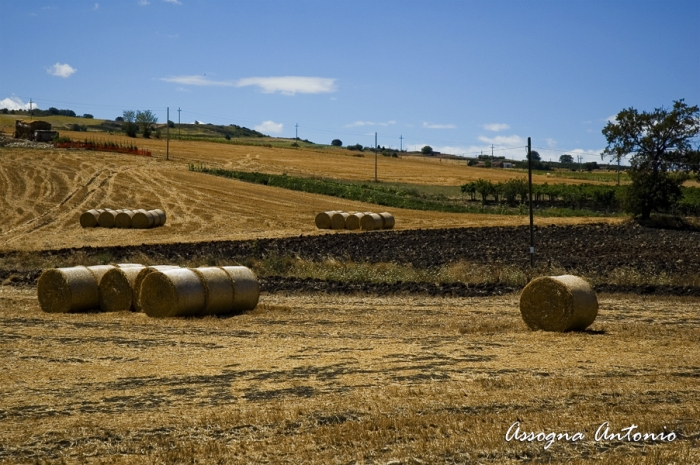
x=178, y=123
x=296, y=131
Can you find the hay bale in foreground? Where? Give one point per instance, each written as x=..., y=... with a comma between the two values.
x=123, y=219
x=352, y=222
x=338, y=220
x=136, y=289
x=63, y=290
x=246, y=289
x=142, y=219
x=218, y=290
x=161, y=216
x=388, y=221
x=558, y=303
x=371, y=222
x=89, y=218
x=323, y=219
x=117, y=288
x=170, y=293
x=99, y=271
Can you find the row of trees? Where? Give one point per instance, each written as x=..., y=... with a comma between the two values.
x=133, y=119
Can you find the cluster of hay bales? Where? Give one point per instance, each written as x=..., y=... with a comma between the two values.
x=558, y=303
x=158, y=291
x=367, y=221
x=124, y=218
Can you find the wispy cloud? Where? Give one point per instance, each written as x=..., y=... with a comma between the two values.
x=174, y=2
x=96, y=7
x=438, y=126
x=369, y=123
x=496, y=127
x=551, y=143
x=14, y=103
x=269, y=127
x=61, y=70
x=611, y=119
x=509, y=141
x=144, y=2
x=290, y=85
x=197, y=81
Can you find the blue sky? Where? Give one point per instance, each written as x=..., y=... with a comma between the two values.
x=457, y=75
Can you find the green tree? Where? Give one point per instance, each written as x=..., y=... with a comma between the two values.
x=129, y=126
x=427, y=150
x=146, y=119
x=660, y=143
x=337, y=143
x=535, y=156
x=566, y=158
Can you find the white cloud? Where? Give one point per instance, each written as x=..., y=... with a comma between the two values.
x=369, y=123
x=96, y=7
x=197, y=81
x=144, y=2
x=14, y=103
x=551, y=143
x=61, y=70
x=438, y=126
x=290, y=85
x=268, y=127
x=509, y=141
x=174, y=2
x=496, y=127
x=611, y=119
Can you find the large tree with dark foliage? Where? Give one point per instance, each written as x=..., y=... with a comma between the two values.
x=662, y=155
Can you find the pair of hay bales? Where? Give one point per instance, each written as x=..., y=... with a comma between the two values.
x=158, y=291
x=558, y=303
x=367, y=221
x=123, y=219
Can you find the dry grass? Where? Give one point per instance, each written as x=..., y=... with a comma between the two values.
x=330, y=379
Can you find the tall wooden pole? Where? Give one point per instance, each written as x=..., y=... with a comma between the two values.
x=532, y=228
x=167, y=135
x=375, y=157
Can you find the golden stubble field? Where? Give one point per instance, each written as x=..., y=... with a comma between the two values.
x=325, y=379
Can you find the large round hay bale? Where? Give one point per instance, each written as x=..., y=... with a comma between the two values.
x=117, y=288
x=63, y=290
x=352, y=222
x=170, y=293
x=89, y=219
x=338, y=220
x=387, y=220
x=558, y=303
x=323, y=220
x=136, y=289
x=99, y=271
x=161, y=216
x=123, y=219
x=218, y=290
x=142, y=219
x=246, y=289
x=371, y=222
x=107, y=218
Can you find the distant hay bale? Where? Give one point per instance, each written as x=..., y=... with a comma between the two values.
x=371, y=222
x=352, y=222
x=142, y=219
x=558, y=303
x=338, y=220
x=63, y=290
x=161, y=216
x=136, y=289
x=171, y=293
x=123, y=219
x=387, y=220
x=218, y=290
x=89, y=219
x=107, y=217
x=117, y=288
x=246, y=289
x=323, y=219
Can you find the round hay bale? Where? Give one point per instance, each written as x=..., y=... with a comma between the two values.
x=323, y=220
x=107, y=218
x=371, y=222
x=338, y=220
x=142, y=219
x=123, y=219
x=117, y=288
x=63, y=290
x=246, y=289
x=176, y=292
x=352, y=222
x=161, y=216
x=218, y=290
x=136, y=289
x=387, y=220
x=558, y=303
x=99, y=271
x=89, y=219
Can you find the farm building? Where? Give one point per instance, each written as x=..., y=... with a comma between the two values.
x=39, y=131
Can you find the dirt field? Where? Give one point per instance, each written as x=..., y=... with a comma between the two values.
x=343, y=379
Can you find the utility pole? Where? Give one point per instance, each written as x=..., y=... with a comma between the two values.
x=167, y=134
x=401, y=144
x=178, y=123
x=491, y=152
x=529, y=175
x=296, y=131
x=30, y=108
x=375, y=157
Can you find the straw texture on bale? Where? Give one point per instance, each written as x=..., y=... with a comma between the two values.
x=142, y=219
x=558, y=303
x=107, y=218
x=123, y=219
x=323, y=220
x=170, y=293
x=136, y=289
x=89, y=219
x=371, y=222
x=387, y=220
x=63, y=290
x=218, y=290
x=352, y=222
x=246, y=289
x=161, y=216
x=99, y=271
x=117, y=288
x=338, y=220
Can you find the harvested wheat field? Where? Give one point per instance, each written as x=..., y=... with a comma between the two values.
x=331, y=379
x=45, y=192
